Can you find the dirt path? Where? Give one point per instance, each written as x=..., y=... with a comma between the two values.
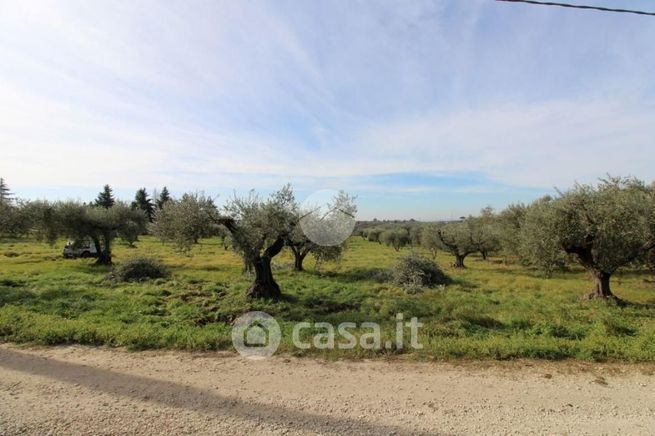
x=78, y=390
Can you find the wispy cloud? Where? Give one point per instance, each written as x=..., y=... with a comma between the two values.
x=345, y=94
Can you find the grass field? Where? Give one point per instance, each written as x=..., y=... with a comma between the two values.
x=492, y=310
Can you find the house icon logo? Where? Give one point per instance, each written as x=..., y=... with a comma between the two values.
x=256, y=335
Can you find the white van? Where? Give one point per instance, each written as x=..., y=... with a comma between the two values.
x=82, y=248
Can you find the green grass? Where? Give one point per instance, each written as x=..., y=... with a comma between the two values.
x=492, y=310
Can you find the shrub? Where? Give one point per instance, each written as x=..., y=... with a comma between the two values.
x=413, y=272
x=139, y=268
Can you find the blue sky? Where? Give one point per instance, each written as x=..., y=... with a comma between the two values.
x=423, y=109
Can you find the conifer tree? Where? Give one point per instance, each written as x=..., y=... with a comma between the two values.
x=141, y=201
x=5, y=194
x=105, y=198
x=163, y=198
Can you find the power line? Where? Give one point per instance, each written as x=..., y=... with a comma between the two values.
x=568, y=5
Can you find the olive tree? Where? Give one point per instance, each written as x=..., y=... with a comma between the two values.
x=77, y=221
x=603, y=227
x=15, y=219
x=535, y=248
x=430, y=239
x=650, y=260
x=415, y=231
x=302, y=245
x=509, y=223
x=457, y=239
x=324, y=253
x=259, y=229
x=185, y=221
x=224, y=236
x=373, y=235
x=395, y=237
x=484, y=232
x=130, y=232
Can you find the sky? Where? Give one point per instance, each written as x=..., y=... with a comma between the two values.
x=422, y=109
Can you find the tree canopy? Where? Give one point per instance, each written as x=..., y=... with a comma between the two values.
x=259, y=228
x=457, y=239
x=323, y=229
x=163, y=198
x=105, y=198
x=430, y=239
x=185, y=221
x=485, y=232
x=77, y=221
x=602, y=227
x=5, y=193
x=395, y=237
x=142, y=201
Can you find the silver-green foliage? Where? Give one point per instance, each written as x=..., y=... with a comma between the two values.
x=603, y=227
x=457, y=239
x=77, y=221
x=185, y=221
x=397, y=238
x=257, y=223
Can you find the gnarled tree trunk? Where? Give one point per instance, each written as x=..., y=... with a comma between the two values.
x=300, y=252
x=585, y=256
x=601, y=287
x=459, y=261
x=104, y=255
x=298, y=259
x=264, y=285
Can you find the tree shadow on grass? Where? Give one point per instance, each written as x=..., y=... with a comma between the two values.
x=317, y=307
x=626, y=304
x=464, y=285
x=16, y=295
x=170, y=394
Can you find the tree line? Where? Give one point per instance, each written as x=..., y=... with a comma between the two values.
x=602, y=227
x=255, y=227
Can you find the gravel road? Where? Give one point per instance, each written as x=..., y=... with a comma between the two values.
x=80, y=390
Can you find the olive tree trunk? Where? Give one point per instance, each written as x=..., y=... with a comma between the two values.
x=601, y=278
x=298, y=259
x=459, y=261
x=264, y=285
x=103, y=250
x=601, y=287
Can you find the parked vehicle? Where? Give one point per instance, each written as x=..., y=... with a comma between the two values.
x=82, y=248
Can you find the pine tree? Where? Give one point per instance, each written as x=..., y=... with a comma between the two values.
x=141, y=201
x=105, y=198
x=163, y=198
x=5, y=194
